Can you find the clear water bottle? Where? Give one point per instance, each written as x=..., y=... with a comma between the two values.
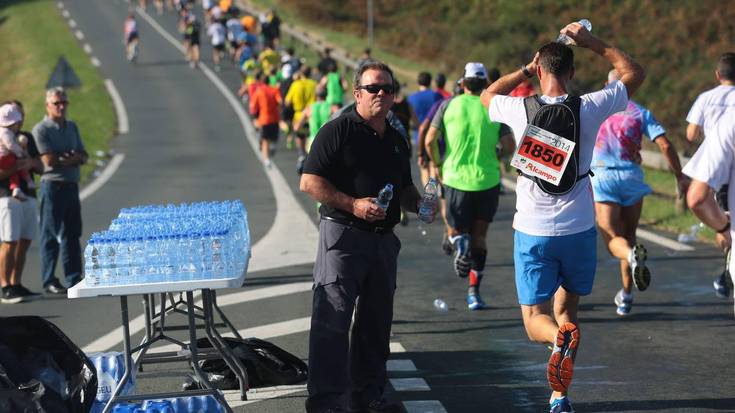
x=440, y=305
x=692, y=235
x=429, y=201
x=384, y=197
x=564, y=39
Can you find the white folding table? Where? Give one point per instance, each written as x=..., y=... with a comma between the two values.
x=189, y=351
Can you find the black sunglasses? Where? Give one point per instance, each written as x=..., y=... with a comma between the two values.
x=60, y=102
x=386, y=88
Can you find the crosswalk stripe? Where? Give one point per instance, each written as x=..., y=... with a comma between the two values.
x=410, y=384
x=424, y=406
x=397, y=348
x=400, y=365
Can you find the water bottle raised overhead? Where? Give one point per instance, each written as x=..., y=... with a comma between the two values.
x=564, y=39
x=428, y=204
x=384, y=196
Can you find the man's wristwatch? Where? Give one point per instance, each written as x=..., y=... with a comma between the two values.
x=725, y=228
x=526, y=72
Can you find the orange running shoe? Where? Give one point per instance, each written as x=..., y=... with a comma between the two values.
x=561, y=363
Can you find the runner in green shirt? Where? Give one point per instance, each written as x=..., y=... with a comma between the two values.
x=469, y=173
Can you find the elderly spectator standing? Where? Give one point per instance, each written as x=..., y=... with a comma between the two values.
x=12, y=221
x=62, y=152
x=351, y=159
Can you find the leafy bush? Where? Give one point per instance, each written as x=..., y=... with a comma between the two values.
x=677, y=42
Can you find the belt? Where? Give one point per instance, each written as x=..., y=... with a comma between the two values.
x=361, y=226
x=61, y=183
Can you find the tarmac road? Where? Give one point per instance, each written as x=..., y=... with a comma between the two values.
x=672, y=354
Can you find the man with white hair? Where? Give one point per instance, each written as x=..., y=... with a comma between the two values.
x=619, y=189
x=62, y=152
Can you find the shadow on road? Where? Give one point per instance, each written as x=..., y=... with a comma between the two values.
x=477, y=381
x=657, y=405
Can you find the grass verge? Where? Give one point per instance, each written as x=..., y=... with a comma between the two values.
x=35, y=36
x=659, y=210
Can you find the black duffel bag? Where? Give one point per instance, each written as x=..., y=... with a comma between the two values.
x=41, y=370
x=266, y=365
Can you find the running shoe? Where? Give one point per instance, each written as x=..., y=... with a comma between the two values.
x=300, y=164
x=624, y=303
x=447, y=246
x=474, y=302
x=722, y=290
x=11, y=295
x=462, y=262
x=561, y=405
x=639, y=271
x=561, y=363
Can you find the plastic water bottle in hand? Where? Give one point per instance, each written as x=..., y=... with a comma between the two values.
x=564, y=39
x=384, y=197
x=427, y=207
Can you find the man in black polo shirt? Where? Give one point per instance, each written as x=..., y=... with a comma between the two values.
x=352, y=158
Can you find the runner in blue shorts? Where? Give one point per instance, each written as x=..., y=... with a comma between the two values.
x=619, y=189
x=555, y=230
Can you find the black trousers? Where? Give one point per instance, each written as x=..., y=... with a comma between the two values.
x=354, y=270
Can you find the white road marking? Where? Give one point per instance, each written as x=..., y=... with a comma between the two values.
x=263, y=332
x=65, y=13
x=105, y=176
x=265, y=393
x=79, y=34
x=424, y=406
x=60, y=5
x=114, y=337
x=409, y=384
x=72, y=23
x=641, y=233
x=95, y=62
x=663, y=241
x=263, y=293
x=278, y=248
x=400, y=365
x=87, y=49
x=123, y=125
x=397, y=348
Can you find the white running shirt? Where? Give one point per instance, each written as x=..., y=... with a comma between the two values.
x=709, y=106
x=714, y=161
x=216, y=32
x=541, y=214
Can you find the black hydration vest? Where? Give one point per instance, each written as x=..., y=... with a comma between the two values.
x=561, y=119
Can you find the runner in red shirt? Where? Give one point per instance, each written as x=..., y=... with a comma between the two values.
x=265, y=104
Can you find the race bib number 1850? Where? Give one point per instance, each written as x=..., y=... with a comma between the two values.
x=542, y=154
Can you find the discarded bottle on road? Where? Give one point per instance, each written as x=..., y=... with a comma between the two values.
x=384, y=196
x=564, y=39
x=429, y=201
x=692, y=235
x=440, y=305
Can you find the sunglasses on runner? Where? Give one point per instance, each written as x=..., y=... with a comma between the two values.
x=374, y=89
x=60, y=102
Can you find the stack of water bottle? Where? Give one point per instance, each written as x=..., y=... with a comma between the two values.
x=167, y=243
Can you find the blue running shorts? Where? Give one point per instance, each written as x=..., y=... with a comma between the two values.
x=620, y=186
x=543, y=264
